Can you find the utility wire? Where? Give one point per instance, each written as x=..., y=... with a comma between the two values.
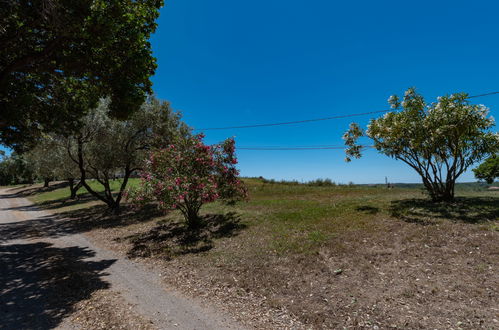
x=299, y=148
x=293, y=122
x=480, y=95
x=316, y=119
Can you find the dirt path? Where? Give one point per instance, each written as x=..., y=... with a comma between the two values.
x=42, y=280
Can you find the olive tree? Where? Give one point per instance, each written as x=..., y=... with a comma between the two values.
x=439, y=140
x=50, y=160
x=106, y=149
x=42, y=160
x=15, y=169
x=488, y=171
x=66, y=168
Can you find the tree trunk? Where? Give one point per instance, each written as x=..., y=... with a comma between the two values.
x=192, y=217
x=444, y=194
x=81, y=164
x=107, y=197
x=46, y=183
x=71, y=188
x=74, y=188
x=112, y=206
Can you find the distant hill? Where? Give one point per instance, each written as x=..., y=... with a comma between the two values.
x=463, y=186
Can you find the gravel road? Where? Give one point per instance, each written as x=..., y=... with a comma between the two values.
x=36, y=291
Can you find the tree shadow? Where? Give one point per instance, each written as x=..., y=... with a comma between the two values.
x=40, y=284
x=368, y=209
x=65, y=202
x=74, y=221
x=54, y=203
x=171, y=239
x=29, y=190
x=463, y=209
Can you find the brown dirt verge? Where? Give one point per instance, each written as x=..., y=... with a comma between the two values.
x=105, y=310
x=405, y=275
x=248, y=308
x=414, y=267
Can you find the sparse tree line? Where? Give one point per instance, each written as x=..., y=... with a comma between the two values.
x=439, y=141
x=74, y=105
x=177, y=169
x=103, y=149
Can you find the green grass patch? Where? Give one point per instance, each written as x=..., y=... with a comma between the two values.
x=301, y=218
x=58, y=198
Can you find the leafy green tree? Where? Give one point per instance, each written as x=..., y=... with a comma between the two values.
x=106, y=149
x=488, y=171
x=67, y=169
x=59, y=57
x=15, y=169
x=42, y=160
x=50, y=160
x=439, y=140
x=5, y=174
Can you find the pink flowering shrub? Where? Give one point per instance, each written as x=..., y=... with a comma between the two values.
x=187, y=174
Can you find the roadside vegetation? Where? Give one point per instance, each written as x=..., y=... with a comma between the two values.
x=488, y=171
x=79, y=116
x=332, y=256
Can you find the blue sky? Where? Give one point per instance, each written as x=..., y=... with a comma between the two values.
x=226, y=62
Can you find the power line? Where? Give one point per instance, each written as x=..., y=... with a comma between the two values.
x=480, y=95
x=293, y=122
x=298, y=148
x=316, y=119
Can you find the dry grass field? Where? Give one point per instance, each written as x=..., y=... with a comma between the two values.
x=317, y=257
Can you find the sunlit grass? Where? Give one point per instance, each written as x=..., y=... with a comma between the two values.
x=59, y=201
x=300, y=218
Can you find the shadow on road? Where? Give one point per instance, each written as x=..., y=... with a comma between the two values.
x=72, y=222
x=29, y=190
x=40, y=284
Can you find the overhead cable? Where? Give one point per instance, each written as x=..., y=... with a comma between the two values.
x=317, y=119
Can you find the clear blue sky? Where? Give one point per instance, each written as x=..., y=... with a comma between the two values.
x=226, y=62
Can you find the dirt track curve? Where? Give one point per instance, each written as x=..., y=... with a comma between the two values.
x=34, y=285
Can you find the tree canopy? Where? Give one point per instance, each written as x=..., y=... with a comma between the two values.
x=43, y=159
x=488, y=171
x=106, y=148
x=439, y=140
x=59, y=57
x=15, y=169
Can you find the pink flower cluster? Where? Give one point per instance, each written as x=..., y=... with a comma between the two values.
x=188, y=173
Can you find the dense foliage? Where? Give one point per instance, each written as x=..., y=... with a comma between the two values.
x=16, y=169
x=106, y=148
x=439, y=140
x=59, y=57
x=42, y=158
x=488, y=171
x=50, y=160
x=187, y=174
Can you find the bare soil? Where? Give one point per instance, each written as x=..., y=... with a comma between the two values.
x=379, y=262
x=401, y=275
x=52, y=276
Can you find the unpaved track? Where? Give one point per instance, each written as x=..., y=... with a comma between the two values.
x=29, y=286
